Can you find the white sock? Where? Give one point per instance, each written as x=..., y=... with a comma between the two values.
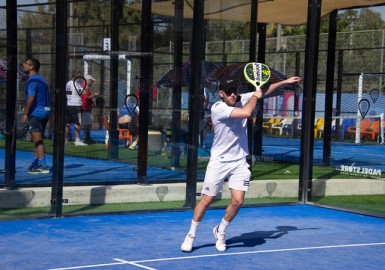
x=193, y=228
x=134, y=144
x=223, y=226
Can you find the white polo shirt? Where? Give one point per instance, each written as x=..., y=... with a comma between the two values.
x=230, y=134
x=73, y=98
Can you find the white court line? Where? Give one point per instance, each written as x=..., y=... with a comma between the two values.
x=88, y=266
x=137, y=263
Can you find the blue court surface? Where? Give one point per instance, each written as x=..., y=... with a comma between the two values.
x=274, y=237
x=78, y=170
x=342, y=153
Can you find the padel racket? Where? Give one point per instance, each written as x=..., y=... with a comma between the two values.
x=131, y=102
x=79, y=84
x=257, y=74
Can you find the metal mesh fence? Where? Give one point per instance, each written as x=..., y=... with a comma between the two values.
x=92, y=165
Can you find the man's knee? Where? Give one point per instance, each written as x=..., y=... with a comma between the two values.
x=206, y=200
x=237, y=200
x=39, y=143
x=237, y=203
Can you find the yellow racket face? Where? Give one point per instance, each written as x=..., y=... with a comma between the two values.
x=257, y=74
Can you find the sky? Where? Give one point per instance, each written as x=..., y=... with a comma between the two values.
x=381, y=10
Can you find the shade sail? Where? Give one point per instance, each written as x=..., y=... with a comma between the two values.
x=208, y=69
x=285, y=12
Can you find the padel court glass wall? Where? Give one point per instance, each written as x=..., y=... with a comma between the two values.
x=103, y=177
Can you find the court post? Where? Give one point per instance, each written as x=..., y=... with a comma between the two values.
x=197, y=50
x=147, y=30
x=10, y=134
x=177, y=87
x=309, y=95
x=60, y=107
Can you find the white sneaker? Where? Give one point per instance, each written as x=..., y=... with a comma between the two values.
x=80, y=143
x=187, y=244
x=220, y=243
x=133, y=146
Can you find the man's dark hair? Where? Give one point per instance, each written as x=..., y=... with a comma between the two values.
x=35, y=63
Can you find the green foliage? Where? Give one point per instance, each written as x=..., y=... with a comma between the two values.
x=366, y=19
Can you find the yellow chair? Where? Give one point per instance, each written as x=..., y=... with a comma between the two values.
x=266, y=126
x=319, y=127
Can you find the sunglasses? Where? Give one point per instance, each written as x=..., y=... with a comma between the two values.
x=230, y=91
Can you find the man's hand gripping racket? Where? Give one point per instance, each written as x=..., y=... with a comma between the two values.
x=257, y=74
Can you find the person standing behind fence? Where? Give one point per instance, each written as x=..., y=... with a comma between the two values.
x=37, y=112
x=87, y=104
x=74, y=103
x=129, y=119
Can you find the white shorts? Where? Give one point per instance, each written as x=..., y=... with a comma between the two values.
x=236, y=171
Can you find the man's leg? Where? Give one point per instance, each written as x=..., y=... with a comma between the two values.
x=87, y=133
x=37, y=139
x=78, y=142
x=67, y=129
x=77, y=131
x=232, y=209
x=201, y=207
x=35, y=161
x=237, y=198
x=37, y=127
x=199, y=212
x=41, y=166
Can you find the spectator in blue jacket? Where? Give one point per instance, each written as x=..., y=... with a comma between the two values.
x=36, y=112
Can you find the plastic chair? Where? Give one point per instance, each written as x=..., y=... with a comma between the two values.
x=322, y=128
x=319, y=127
x=293, y=128
x=124, y=134
x=278, y=128
x=267, y=125
x=299, y=127
x=365, y=124
x=372, y=131
x=344, y=124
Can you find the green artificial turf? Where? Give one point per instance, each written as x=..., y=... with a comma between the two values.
x=264, y=169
